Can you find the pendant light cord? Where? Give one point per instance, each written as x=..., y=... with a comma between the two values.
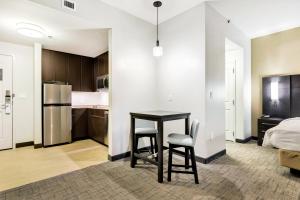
x=157, y=41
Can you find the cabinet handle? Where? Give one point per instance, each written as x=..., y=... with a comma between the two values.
x=268, y=124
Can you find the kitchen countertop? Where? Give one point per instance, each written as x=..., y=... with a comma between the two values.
x=100, y=107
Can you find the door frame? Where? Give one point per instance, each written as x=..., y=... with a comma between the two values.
x=12, y=98
x=234, y=100
x=239, y=80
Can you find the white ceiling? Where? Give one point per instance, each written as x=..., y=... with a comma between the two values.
x=145, y=10
x=70, y=34
x=260, y=17
x=253, y=17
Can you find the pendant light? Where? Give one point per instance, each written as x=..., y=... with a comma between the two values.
x=157, y=50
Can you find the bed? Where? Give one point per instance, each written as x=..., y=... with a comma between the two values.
x=286, y=137
x=281, y=99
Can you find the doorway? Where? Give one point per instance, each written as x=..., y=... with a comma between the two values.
x=233, y=60
x=6, y=133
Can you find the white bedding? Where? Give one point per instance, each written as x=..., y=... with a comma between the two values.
x=285, y=135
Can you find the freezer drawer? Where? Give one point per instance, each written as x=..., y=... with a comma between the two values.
x=57, y=125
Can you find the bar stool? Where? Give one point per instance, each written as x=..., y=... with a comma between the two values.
x=146, y=132
x=176, y=140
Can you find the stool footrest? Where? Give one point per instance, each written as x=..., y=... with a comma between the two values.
x=182, y=172
x=173, y=165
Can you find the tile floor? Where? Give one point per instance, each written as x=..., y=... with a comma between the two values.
x=26, y=165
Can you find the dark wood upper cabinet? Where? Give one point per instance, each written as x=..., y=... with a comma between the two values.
x=78, y=71
x=101, y=65
x=60, y=64
x=48, y=71
x=74, y=72
x=105, y=62
x=87, y=74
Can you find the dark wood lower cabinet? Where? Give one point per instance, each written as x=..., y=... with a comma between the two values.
x=98, y=125
x=90, y=123
x=79, y=124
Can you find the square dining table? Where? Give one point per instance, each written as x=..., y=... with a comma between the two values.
x=160, y=117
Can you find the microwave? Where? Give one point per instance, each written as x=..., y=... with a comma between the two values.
x=102, y=82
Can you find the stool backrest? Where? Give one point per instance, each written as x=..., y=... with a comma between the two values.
x=194, y=130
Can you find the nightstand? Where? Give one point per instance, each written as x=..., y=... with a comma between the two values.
x=263, y=124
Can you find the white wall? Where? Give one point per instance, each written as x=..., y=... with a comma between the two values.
x=132, y=70
x=217, y=30
x=191, y=74
x=181, y=70
x=22, y=88
x=37, y=94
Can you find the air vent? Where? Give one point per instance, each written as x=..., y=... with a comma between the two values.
x=69, y=4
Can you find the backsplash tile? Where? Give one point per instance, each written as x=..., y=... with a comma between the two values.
x=90, y=98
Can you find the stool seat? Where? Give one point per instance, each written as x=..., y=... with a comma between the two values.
x=180, y=139
x=176, y=140
x=146, y=131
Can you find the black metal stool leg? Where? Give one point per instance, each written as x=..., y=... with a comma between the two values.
x=134, y=150
x=151, y=145
x=194, y=166
x=187, y=160
x=170, y=162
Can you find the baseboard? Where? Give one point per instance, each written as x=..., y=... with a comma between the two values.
x=119, y=156
x=24, y=144
x=200, y=159
x=37, y=146
x=254, y=138
x=123, y=155
x=211, y=158
x=243, y=141
x=295, y=172
x=178, y=152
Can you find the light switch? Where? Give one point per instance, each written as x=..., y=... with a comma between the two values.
x=211, y=95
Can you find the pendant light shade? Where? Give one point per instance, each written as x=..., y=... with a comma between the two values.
x=157, y=50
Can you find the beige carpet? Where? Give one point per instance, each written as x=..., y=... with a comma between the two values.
x=246, y=172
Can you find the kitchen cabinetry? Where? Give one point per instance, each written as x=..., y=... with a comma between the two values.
x=74, y=72
x=101, y=65
x=54, y=65
x=79, y=124
x=78, y=71
x=87, y=75
x=90, y=123
x=98, y=125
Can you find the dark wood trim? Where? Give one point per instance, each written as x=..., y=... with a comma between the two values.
x=24, y=144
x=200, y=159
x=119, y=156
x=295, y=172
x=211, y=158
x=254, y=138
x=124, y=155
x=243, y=141
x=37, y=146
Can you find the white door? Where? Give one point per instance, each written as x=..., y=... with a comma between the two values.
x=230, y=100
x=6, y=102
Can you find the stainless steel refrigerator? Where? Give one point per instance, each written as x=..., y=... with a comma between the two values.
x=57, y=114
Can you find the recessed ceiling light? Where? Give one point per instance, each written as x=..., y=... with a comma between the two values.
x=30, y=30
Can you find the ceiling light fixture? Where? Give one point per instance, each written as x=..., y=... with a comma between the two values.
x=30, y=30
x=157, y=50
